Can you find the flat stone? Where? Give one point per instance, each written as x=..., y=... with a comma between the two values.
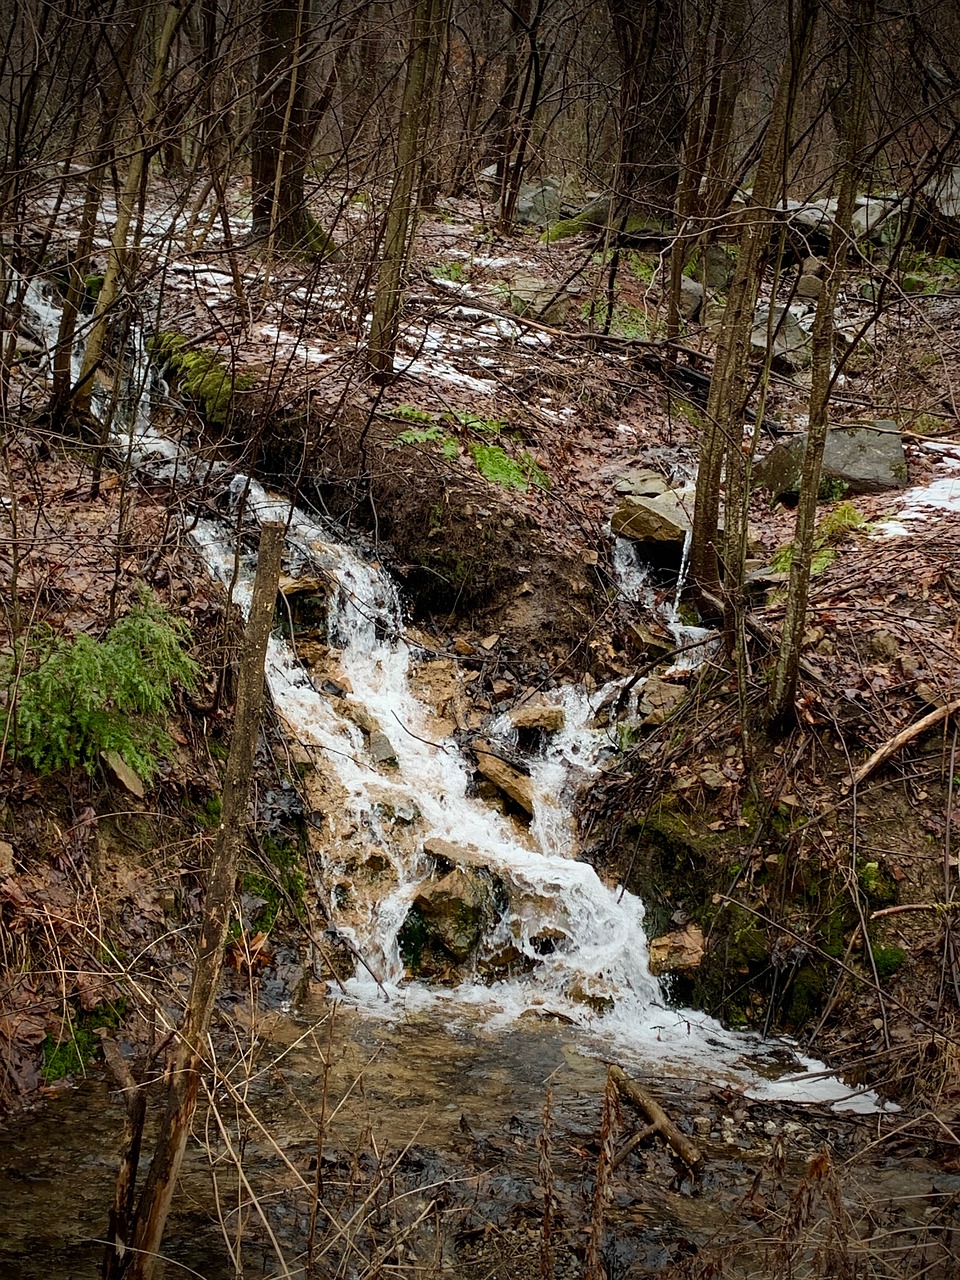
x=677, y=952
x=665, y=518
x=658, y=698
x=643, y=482
x=538, y=298
x=6, y=858
x=454, y=855
x=504, y=776
x=536, y=715
x=865, y=459
x=128, y=778
x=381, y=748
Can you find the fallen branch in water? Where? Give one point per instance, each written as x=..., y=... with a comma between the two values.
x=659, y=1123
x=893, y=745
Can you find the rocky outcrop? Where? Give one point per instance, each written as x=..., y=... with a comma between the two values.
x=664, y=518
x=677, y=952
x=864, y=459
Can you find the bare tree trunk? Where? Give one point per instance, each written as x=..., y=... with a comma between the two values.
x=723, y=431
x=426, y=28
x=182, y=1078
x=142, y=143
x=859, y=21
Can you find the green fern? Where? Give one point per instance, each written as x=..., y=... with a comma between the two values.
x=496, y=465
x=77, y=698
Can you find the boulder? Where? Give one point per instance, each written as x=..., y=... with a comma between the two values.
x=677, y=952
x=642, y=482
x=538, y=298
x=809, y=288
x=454, y=913
x=506, y=777
x=812, y=266
x=538, y=203
x=792, y=344
x=691, y=298
x=717, y=267
x=537, y=715
x=865, y=459
x=665, y=518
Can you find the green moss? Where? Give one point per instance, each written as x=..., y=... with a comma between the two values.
x=204, y=375
x=411, y=941
x=565, y=229
x=209, y=815
x=888, y=960
x=282, y=886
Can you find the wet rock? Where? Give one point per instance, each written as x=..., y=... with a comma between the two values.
x=792, y=344
x=665, y=518
x=534, y=715
x=450, y=855
x=677, y=952
x=692, y=294
x=448, y=919
x=658, y=698
x=121, y=772
x=357, y=714
x=865, y=459
x=506, y=777
x=641, y=483
x=381, y=748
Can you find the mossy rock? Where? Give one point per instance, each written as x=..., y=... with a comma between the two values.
x=204, y=375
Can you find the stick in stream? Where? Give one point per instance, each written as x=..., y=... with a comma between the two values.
x=182, y=1077
x=659, y=1122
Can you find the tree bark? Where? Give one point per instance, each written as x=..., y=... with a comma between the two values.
x=182, y=1077
x=426, y=26
x=723, y=431
x=859, y=20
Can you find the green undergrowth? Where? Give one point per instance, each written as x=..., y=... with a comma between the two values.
x=830, y=532
x=71, y=698
x=509, y=470
x=203, y=375
x=74, y=1049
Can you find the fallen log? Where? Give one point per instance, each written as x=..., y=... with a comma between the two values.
x=893, y=745
x=659, y=1122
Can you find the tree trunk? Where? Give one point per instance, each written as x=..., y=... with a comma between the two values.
x=182, y=1078
x=649, y=44
x=143, y=143
x=426, y=28
x=723, y=431
x=859, y=21
x=279, y=156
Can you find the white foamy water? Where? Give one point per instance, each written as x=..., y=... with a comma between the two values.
x=597, y=974
x=594, y=972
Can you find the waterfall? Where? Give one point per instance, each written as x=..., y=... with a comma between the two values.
x=595, y=973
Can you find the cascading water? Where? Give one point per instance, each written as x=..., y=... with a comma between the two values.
x=594, y=972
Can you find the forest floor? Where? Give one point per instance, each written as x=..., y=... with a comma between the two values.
x=485, y=476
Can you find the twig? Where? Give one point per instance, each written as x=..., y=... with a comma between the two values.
x=893, y=745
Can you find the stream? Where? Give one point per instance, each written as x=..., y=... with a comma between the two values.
x=455, y=1072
